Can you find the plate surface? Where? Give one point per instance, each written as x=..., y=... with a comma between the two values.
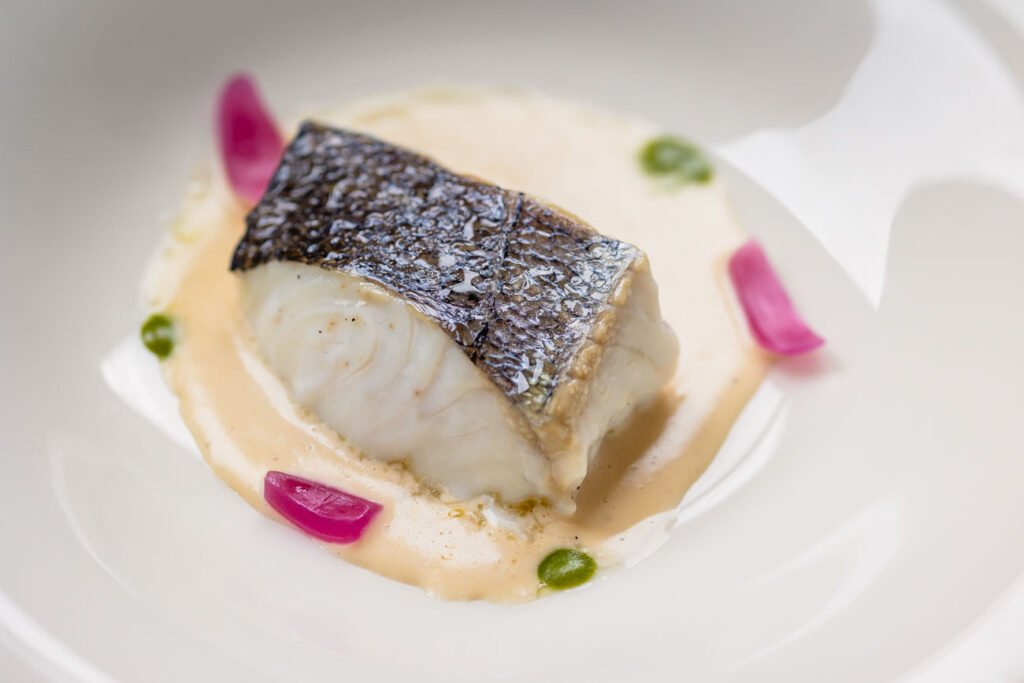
x=876, y=148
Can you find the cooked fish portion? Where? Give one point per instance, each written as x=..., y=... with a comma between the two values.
x=485, y=338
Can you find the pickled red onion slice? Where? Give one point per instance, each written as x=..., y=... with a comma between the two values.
x=774, y=322
x=250, y=144
x=321, y=511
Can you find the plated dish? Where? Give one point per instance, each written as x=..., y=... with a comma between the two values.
x=467, y=339
x=853, y=526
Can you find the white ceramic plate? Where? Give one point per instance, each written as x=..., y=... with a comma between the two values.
x=877, y=148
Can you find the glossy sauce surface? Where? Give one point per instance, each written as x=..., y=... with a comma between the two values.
x=574, y=156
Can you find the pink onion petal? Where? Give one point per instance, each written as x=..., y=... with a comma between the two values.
x=321, y=511
x=250, y=144
x=773, y=320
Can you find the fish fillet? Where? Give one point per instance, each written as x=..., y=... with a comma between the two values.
x=486, y=339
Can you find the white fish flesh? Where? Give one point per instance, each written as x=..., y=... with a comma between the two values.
x=487, y=340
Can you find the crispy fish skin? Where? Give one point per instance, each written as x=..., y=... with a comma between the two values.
x=512, y=281
x=531, y=294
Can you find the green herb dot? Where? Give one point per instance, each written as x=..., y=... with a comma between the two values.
x=158, y=335
x=667, y=155
x=566, y=568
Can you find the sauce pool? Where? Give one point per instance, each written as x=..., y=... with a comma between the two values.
x=572, y=155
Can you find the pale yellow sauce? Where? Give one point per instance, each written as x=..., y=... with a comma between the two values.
x=577, y=157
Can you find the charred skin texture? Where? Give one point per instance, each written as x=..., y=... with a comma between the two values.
x=522, y=287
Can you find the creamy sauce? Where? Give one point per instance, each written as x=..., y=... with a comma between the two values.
x=574, y=156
